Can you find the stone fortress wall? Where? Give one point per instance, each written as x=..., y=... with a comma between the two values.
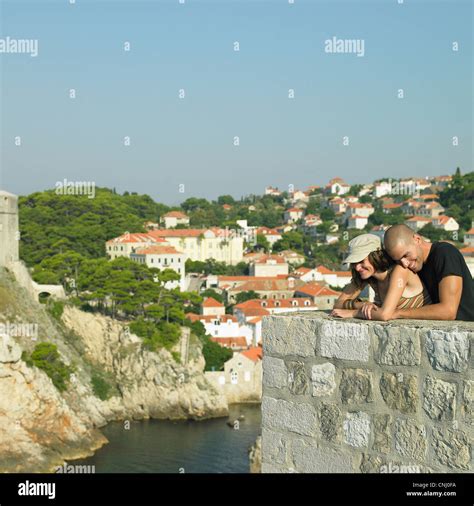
x=9, y=249
x=353, y=396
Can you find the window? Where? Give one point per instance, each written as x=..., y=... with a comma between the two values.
x=234, y=376
x=294, y=303
x=247, y=375
x=264, y=304
x=306, y=302
x=151, y=260
x=277, y=303
x=221, y=380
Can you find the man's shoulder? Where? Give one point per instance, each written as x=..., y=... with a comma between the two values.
x=444, y=248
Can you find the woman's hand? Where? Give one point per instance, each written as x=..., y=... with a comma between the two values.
x=343, y=313
x=366, y=310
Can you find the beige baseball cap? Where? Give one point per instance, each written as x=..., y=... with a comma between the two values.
x=361, y=246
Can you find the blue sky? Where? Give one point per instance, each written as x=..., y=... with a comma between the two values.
x=190, y=141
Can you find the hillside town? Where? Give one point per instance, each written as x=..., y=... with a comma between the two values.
x=272, y=277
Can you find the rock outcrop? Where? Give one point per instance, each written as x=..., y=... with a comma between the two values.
x=41, y=428
x=255, y=456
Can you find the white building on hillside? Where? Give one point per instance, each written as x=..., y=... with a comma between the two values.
x=382, y=188
x=337, y=186
x=127, y=243
x=174, y=218
x=202, y=244
x=268, y=266
x=358, y=222
x=212, y=307
x=163, y=257
x=358, y=209
x=445, y=223
x=293, y=214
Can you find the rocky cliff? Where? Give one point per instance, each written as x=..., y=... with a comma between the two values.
x=41, y=427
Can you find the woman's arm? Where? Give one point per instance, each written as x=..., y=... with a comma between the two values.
x=397, y=284
x=350, y=292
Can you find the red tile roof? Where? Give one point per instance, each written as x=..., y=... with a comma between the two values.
x=273, y=303
x=442, y=220
x=316, y=290
x=175, y=214
x=418, y=218
x=267, y=231
x=209, y=318
x=231, y=342
x=392, y=206
x=358, y=205
x=185, y=232
x=269, y=258
x=133, y=238
x=323, y=270
x=159, y=250
x=211, y=302
x=265, y=285
x=254, y=353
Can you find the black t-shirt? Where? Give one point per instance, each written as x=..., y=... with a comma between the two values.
x=446, y=260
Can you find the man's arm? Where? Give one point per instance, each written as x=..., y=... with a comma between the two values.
x=450, y=290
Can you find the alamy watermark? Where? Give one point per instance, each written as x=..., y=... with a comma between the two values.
x=75, y=469
x=19, y=46
x=19, y=330
x=66, y=187
x=402, y=468
x=335, y=45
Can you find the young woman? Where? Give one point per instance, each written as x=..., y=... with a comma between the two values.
x=395, y=287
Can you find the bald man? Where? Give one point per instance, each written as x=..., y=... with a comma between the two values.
x=443, y=271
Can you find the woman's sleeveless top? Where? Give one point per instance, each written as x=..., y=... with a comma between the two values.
x=419, y=300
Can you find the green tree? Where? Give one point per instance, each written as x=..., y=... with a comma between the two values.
x=244, y=296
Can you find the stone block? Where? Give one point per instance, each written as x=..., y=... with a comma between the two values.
x=330, y=422
x=323, y=377
x=447, y=351
x=439, y=399
x=347, y=341
x=410, y=439
x=283, y=335
x=371, y=464
x=275, y=374
x=468, y=402
x=452, y=448
x=274, y=447
x=397, y=345
x=356, y=386
x=289, y=416
x=297, y=378
x=382, y=433
x=309, y=458
x=399, y=391
x=357, y=429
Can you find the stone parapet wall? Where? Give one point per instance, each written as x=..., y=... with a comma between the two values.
x=350, y=396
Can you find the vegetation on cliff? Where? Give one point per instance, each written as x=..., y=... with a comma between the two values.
x=46, y=357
